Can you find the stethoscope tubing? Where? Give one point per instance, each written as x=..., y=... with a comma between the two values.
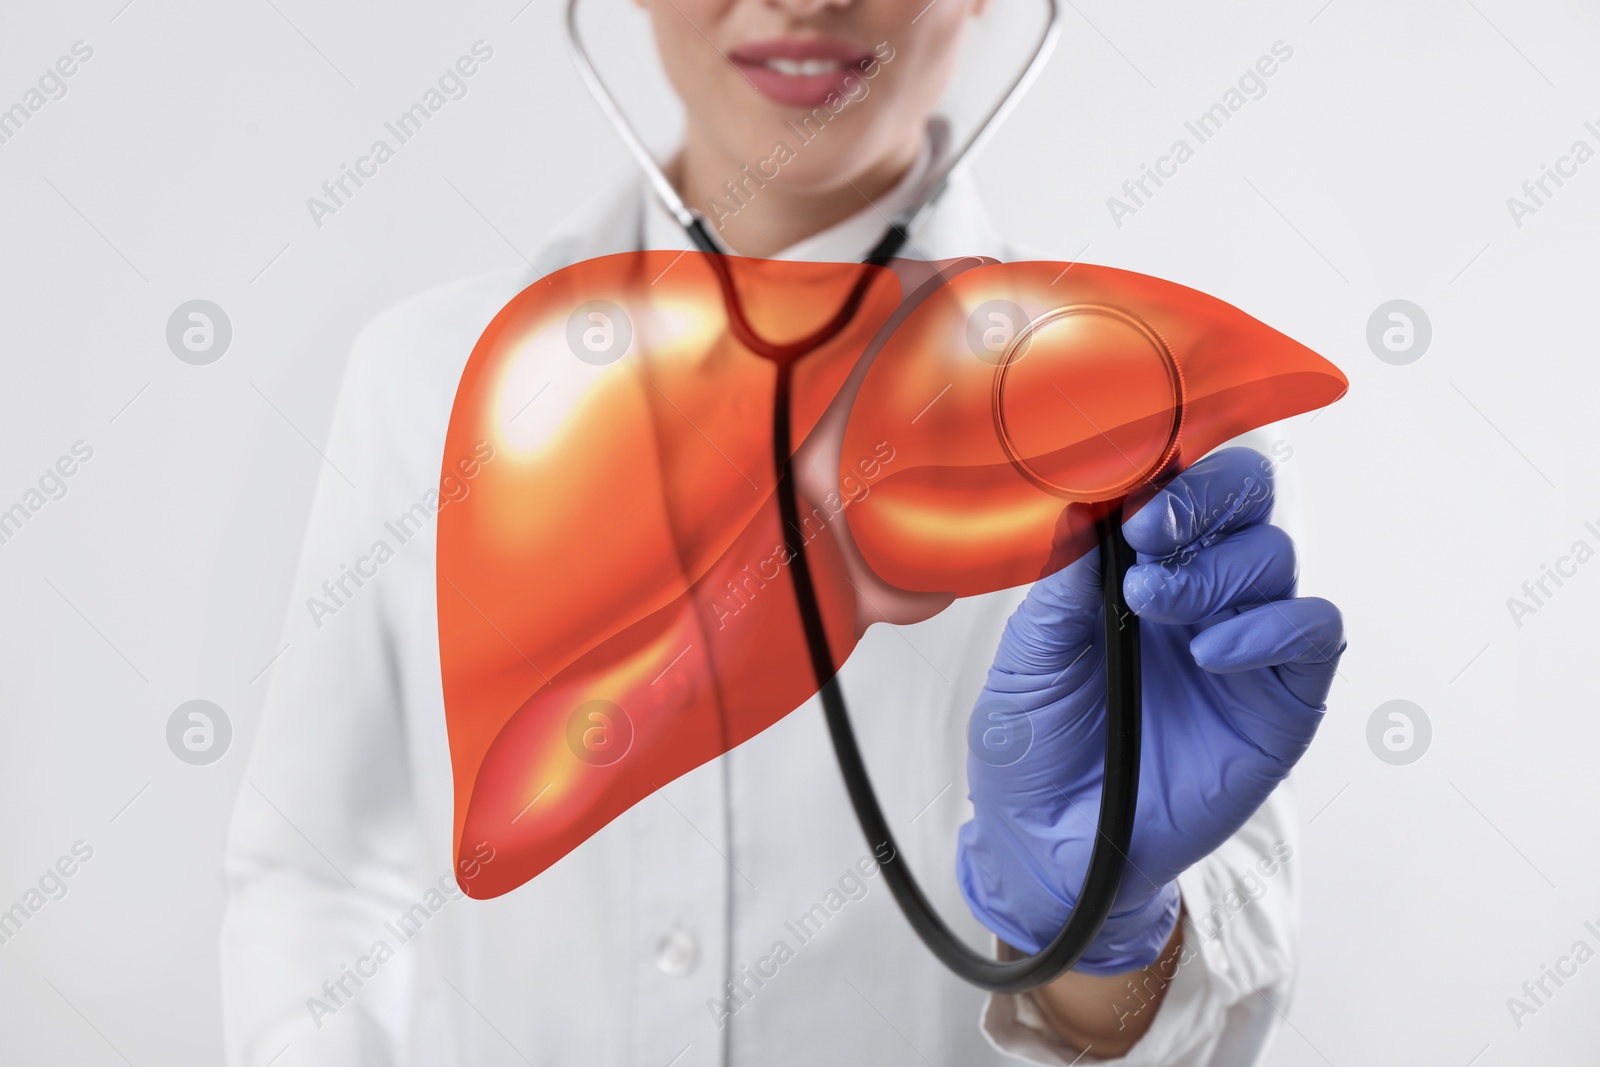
x=1119, y=793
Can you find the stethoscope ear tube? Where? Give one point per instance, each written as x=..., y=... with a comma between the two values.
x=906, y=221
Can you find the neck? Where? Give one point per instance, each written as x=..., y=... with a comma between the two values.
x=772, y=218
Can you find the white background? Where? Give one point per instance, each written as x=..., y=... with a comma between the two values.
x=1376, y=166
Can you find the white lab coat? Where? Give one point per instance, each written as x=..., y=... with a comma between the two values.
x=345, y=942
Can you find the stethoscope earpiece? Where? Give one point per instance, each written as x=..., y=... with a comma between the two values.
x=905, y=221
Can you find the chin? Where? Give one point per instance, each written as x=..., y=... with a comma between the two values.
x=818, y=165
x=818, y=174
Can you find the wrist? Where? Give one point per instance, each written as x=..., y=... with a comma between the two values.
x=1109, y=1015
x=1133, y=937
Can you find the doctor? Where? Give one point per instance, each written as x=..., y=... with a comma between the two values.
x=737, y=916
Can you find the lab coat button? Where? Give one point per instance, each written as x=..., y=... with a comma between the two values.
x=677, y=953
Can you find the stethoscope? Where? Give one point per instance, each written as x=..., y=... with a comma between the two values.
x=1121, y=785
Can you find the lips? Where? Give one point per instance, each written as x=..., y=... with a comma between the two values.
x=800, y=72
x=615, y=601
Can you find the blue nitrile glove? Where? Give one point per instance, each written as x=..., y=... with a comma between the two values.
x=1235, y=674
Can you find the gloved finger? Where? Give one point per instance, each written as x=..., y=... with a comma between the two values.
x=1300, y=639
x=1227, y=490
x=1252, y=566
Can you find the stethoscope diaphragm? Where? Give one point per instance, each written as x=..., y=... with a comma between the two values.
x=1086, y=358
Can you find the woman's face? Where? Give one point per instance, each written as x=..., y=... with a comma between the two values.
x=809, y=94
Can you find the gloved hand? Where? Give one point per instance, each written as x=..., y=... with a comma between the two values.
x=1235, y=674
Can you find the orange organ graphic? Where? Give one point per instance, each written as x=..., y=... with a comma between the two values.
x=616, y=602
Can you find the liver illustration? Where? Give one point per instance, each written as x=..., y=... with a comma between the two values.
x=615, y=601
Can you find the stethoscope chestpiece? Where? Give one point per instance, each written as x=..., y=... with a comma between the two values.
x=1101, y=375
